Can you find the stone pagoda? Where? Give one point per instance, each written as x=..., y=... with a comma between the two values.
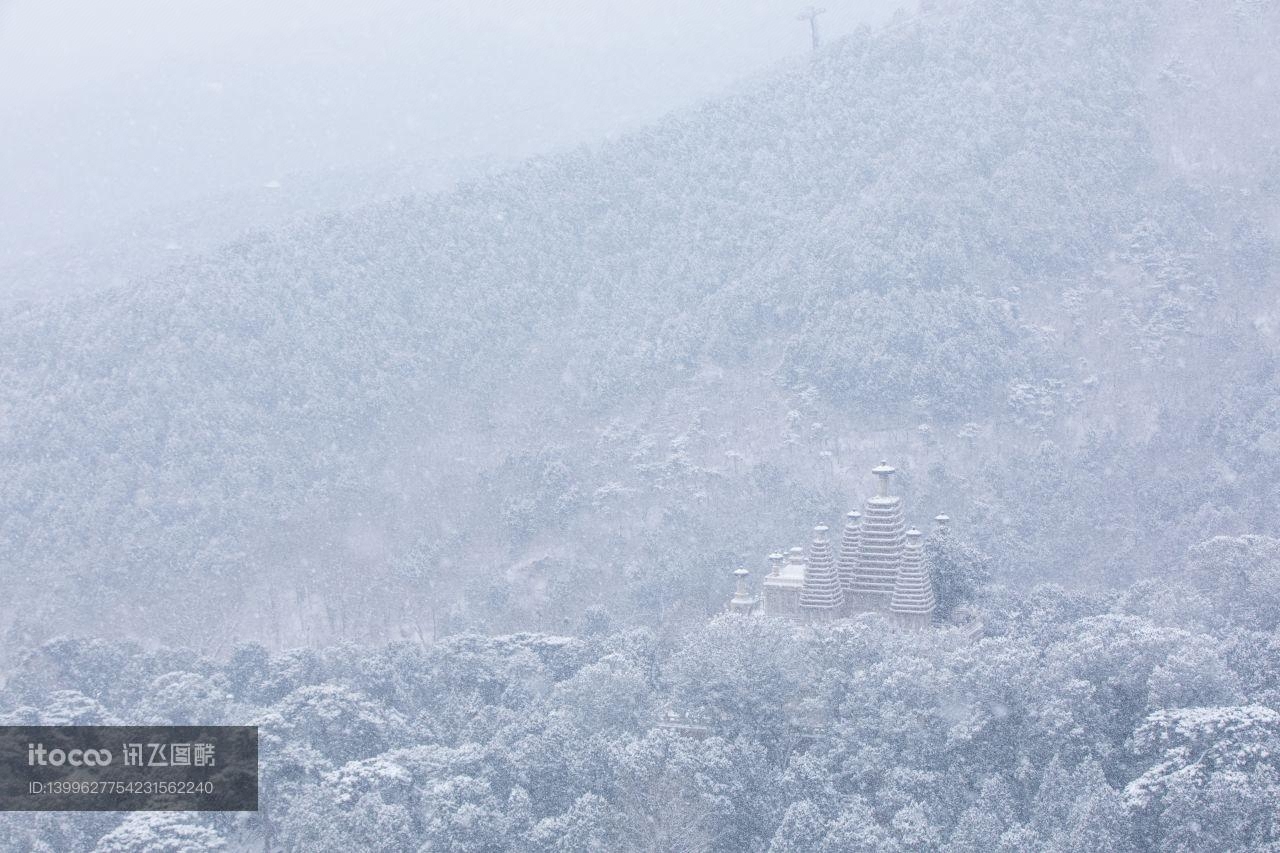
x=877, y=567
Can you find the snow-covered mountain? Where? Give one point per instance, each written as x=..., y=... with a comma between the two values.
x=964, y=241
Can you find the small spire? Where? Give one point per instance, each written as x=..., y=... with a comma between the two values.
x=821, y=596
x=742, y=601
x=775, y=564
x=913, y=601
x=941, y=520
x=847, y=560
x=884, y=471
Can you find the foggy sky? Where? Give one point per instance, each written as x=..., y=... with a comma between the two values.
x=108, y=111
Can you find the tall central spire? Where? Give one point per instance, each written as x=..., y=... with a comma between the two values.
x=884, y=471
x=879, y=546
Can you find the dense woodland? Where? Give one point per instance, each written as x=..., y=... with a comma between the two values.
x=444, y=492
x=1143, y=719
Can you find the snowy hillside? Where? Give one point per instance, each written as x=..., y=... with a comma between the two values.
x=954, y=242
x=479, y=506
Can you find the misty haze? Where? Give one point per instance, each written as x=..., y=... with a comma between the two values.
x=746, y=427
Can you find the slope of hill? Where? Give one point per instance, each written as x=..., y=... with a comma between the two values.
x=605, y=376
x=140, y=246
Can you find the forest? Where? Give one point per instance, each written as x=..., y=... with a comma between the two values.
x=1140, y=719
x=444, y=492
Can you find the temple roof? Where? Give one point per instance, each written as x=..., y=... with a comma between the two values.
x=791, y=573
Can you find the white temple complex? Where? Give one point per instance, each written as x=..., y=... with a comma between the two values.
x=877, y=567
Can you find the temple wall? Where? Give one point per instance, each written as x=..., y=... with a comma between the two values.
x=782, y=601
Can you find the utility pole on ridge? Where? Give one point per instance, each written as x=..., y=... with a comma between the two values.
x=811, y=15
